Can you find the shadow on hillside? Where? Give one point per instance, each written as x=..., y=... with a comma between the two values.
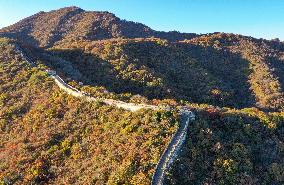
x=231, y=69
x=98, y=72
x=187, y=72
x=23, y=36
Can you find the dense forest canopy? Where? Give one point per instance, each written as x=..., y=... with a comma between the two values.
x=233, y=83
x=49, y=136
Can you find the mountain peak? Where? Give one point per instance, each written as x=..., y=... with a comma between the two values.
x=44, y=29
x=70, y=8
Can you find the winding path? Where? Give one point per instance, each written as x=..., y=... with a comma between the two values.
x=74, y=92
x=173, y=148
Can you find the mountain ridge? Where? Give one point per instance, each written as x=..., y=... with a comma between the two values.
x=254, y=74
x=45, y=28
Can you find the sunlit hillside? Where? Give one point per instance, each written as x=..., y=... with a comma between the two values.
x=232, y=84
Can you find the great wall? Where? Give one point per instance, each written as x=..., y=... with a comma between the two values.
x=174, y=147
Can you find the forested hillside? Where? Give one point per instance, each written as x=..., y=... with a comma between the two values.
x=219, y=69
x=50, y=137
x=228, y=146
x=233, y=83
x=264, y=61
x=127, y=57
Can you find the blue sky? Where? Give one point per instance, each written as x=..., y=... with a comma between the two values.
x=258, y=18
